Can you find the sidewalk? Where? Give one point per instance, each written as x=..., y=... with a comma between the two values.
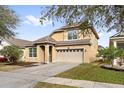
x=81, y=83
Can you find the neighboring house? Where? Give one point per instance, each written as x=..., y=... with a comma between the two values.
x=117, y=40
x=100, y=47
x=14, y=41
x=66, y=44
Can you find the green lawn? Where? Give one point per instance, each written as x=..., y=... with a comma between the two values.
x=49, y=85
x=93, y=73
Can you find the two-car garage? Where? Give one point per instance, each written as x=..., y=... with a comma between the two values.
x=70, y=55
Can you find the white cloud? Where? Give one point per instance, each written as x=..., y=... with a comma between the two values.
x=30, y=19
x=47, y=22
x=33, y=20
x=26, y=22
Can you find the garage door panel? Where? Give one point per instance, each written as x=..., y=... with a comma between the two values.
x=71, y=55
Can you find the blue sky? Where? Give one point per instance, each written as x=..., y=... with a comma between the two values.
x=30, y=28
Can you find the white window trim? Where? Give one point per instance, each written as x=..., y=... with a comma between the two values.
x=72, y=38
x=32, y=52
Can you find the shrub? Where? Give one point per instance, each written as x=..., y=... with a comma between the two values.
x=111, y=53
x=13, y=53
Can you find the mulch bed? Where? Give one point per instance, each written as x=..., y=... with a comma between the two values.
x=110, y=67
x=26, y=64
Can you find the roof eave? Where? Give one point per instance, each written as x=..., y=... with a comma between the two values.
x=72, y=44
x=44, y=43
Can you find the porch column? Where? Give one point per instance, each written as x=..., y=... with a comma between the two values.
x=46, y=53
x=115, y=44
x=39, y=53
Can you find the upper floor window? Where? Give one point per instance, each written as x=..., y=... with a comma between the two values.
x=32, y=52
x=72, y=35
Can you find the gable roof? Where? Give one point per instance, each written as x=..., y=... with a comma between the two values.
x=49, y=39
x=18, y=42
x=76, y=25
x=100, y=47
x=70, y=26
x=46, y=39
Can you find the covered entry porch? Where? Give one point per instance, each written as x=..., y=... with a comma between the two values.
x=118, y=43
x=46, y=53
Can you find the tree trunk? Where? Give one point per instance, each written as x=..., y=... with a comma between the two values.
x=112, y=63
x=13, y=60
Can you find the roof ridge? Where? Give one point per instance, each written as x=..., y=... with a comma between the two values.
x=45, y=40
x=17, y=39
x=18, y=42
x=40, y=38
x=23, y=39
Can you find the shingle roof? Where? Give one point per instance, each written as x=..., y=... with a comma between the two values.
x=19, y=42
x=74, y=42
x=118, y=35
x=46, y=39
x=66, y=27
x=70, y=26
x=76, y=25
x=100, y=47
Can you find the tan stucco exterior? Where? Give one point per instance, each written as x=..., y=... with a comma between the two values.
x=30, y=59
x=58, y=36
x=63, y=35
x=43, y=55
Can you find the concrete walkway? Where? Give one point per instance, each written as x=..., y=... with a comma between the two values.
x=29, y=76
x=81, y=83
x=46, y=69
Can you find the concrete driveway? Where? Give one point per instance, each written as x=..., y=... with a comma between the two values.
x=27, y=77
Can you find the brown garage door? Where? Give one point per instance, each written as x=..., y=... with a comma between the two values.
x=70, y=55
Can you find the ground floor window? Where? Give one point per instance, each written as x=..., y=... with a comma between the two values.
x=32, y=52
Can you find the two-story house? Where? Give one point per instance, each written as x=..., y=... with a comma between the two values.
x=66, y=44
